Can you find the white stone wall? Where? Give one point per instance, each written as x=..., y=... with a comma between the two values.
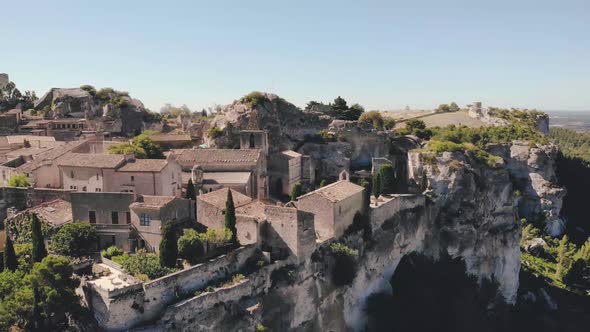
x=393, y=205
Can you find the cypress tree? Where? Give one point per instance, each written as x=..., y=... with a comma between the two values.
x=168, y=247
x=10, y=260
x=190, y=190
x=230, y=216
x=376, y=185
x=296, y=191
x=39, y=250
x=387, y=174
x=366, y=195
x=563, y=258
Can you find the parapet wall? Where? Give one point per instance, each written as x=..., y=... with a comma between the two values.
x=132, y=307
x=392, y=206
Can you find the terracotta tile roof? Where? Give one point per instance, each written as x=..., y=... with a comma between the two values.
x=92, y=160
x=336, y=191
x=144, y=165
x=210, y=158
x=154, y=202
x=20, y=139
x=253, y=209
x=218, y=198
x=56, y=213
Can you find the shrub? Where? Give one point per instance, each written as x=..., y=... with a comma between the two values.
x=326, y=135
x=89, y=88
x=260, y=328
x=217, y=237
x=236, y=278
x=413, y=124
x=75, y=239
x=143, y=263
x=444, y=146
x=388, y=123
x=254, y=99
x=168, y=247
x=110, y=252
x=214, y=132
x=388, y=183
x=373, y=117
x=344, y=270
x=296, y=191
x=19, y=180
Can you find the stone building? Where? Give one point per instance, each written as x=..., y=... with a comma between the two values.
x=238, y=162
x=130, y=221
x=334, y=207
x=287, y=168
x=120, y=173
x=254, y=139
x=211, y=207
x=172, y=140
x=61, y=129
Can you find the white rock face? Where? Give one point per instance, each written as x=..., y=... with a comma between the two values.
x=4, y=80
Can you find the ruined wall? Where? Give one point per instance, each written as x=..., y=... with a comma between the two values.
x=392, y=206
x=23, y=198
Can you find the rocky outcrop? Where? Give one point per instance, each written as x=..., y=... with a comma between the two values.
x=4, y=80
x=114, y=112
x=532, y=170
x=287, y=125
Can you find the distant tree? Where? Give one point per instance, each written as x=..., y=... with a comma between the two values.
x=354, y=112
x=376, y=187
x=204, y=113
x=190, y=190
x=311, y=104
x=168, y=247
x=453, y=107
x=152, y=149
x=413, y=124
x=10, y=260
x=39, y=250
x=75, y=239
x=388, y=123
x=580, y=269
x=366, y=195
x=127, y=148
x=339, y=105
x=191, y=246
x=230, y=216
x=387, y=175
x=296, y=191
x=443, y=108
x=19, y=180
x=323, y=183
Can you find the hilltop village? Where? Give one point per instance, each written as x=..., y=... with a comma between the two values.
x=227, y=220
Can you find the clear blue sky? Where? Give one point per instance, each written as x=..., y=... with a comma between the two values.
x=381, y=54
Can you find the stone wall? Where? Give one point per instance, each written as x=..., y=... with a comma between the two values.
x=392, y=206
x=129, y=309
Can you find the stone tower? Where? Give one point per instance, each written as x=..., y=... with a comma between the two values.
x=254, y=139
x=197, y=175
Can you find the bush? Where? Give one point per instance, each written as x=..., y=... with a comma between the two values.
x=344, y=270
x=111, y=251
x=326, y=135
x=296, y=191
x=143, y=263
x=75, y=239
x=444, y=146
x=214, y=132
x=254, y=99
x=19, y=180
x=388, y=183
x=373, y=117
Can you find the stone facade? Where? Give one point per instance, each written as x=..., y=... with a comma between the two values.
x=334, y=207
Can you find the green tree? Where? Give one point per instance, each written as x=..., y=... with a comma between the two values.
x=127, y=148
x=366, y=195
x=191, y=246
x=339, y=106
x=168, y=247
x=414, y=124
x=230, y=216
x=19, y=180
x=373, y=117
x=296, y=191
x=387, y=175
x=10, y=260
x=39, y=250
x=453, y=107
x=75, y=239
x=152, y=149
x=563, y=257
x=376, y=187
x=190, y=190
x=354, y=112
x=323, y=183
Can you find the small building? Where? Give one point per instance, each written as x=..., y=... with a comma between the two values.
x=172, y=140
x=120, y=173
x=334, y=207
x=61, y=129
x=211, y=207
x=54, y=214
x=285, y=171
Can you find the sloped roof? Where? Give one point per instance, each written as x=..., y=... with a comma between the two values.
x=144, y=165
x=153, y=202
x=207, y=158
x=226, y=177
x=49, y=156
x=92, y=160
x=253, y=209
x=218, y=198
x=170, y=137
x=56, y=213
x=291, y=153
x=336, y=191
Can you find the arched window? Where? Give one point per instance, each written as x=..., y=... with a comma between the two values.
x=252, y=143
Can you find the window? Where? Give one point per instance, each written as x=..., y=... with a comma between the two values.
x=252, y=141
x=132, y=178
x=115, y=217
x=128, y=217
x=92, y=217
x=98, y=190
x=71, y=174
x=96, y=176
x=144, y=219
x=84, y=188
x=73, y=187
